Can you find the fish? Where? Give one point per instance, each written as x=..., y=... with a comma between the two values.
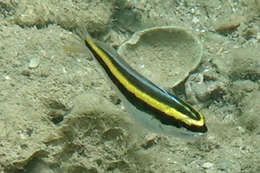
x=151, y=105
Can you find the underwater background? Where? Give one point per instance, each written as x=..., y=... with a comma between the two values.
x=60, y=114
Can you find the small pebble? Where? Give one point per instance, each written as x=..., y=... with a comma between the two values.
x=34, y=62
x=207, y=165
x=6, y=77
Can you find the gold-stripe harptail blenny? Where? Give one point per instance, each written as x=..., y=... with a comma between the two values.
x=143, y=94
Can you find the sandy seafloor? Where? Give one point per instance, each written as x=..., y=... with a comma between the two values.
x=59, y=114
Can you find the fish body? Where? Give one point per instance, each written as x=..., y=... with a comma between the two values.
x=155, y=105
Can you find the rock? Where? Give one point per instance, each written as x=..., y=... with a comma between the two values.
x=207, y=165
x=166, y=55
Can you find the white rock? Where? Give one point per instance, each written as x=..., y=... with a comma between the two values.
x=34, y=62
x=207, y=165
